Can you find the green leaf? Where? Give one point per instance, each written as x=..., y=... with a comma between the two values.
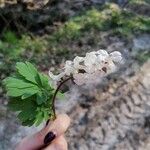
x=39, y=118
x=28, y=71
x=46, y=115
x=28, y=123
x=27, y=95
x=41, y=98
x=15, y=92
x=27, y=109
x=30, y=94
x=17, y=104
x=43, y=80
x=31, y=68
x=26, y=115
x=20, y=87
x=11, y=82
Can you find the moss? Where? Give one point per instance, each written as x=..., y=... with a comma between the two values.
x=70, y=30
x=75, y=28
x=35, y=44
x=130, y=24
x=12, y=46
x=139, y=2
x=9, y=45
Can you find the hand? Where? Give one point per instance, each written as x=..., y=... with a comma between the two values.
x=49, y=138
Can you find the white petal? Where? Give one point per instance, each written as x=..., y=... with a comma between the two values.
x=102, y=56
x=90, y=59
x=56, y=77
x=116, y=56
x=77, y=60
x=102, y=52
x=69, y=67
x=111, y=67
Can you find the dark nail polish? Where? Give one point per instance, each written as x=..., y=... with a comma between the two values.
x=47, y=122
x=49, y=138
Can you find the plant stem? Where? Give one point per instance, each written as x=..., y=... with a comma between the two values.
x=55, y=94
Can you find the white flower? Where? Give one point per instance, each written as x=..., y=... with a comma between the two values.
x=102, y=55
x=89, y=69
x=68, y=67
x=90, y=59
x=79, y=78
x=77, y=62
x=102, y=52
x=116, y=56
x=90, y=62
x=56, y=77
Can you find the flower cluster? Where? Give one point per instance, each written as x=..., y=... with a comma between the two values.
x=88, y=69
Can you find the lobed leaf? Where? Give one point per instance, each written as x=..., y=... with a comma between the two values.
x=41, y=98
x=15, y=92
x=30, y=94
x=12, y=82
x=28, y=71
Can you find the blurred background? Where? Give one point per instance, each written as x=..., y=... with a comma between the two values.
x=115, y=115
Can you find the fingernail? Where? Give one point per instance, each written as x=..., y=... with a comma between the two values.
x=49, y=138
x=47, y=122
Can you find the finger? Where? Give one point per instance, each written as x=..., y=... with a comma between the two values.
x=59, y=143
x=46, y=135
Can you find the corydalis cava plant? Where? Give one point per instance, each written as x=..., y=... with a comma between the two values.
x=89, y=69
x=32, y=94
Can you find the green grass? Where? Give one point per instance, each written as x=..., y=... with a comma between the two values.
x=12, y=46
x=139, y=2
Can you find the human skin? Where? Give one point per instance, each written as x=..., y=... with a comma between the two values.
x=50, y=137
